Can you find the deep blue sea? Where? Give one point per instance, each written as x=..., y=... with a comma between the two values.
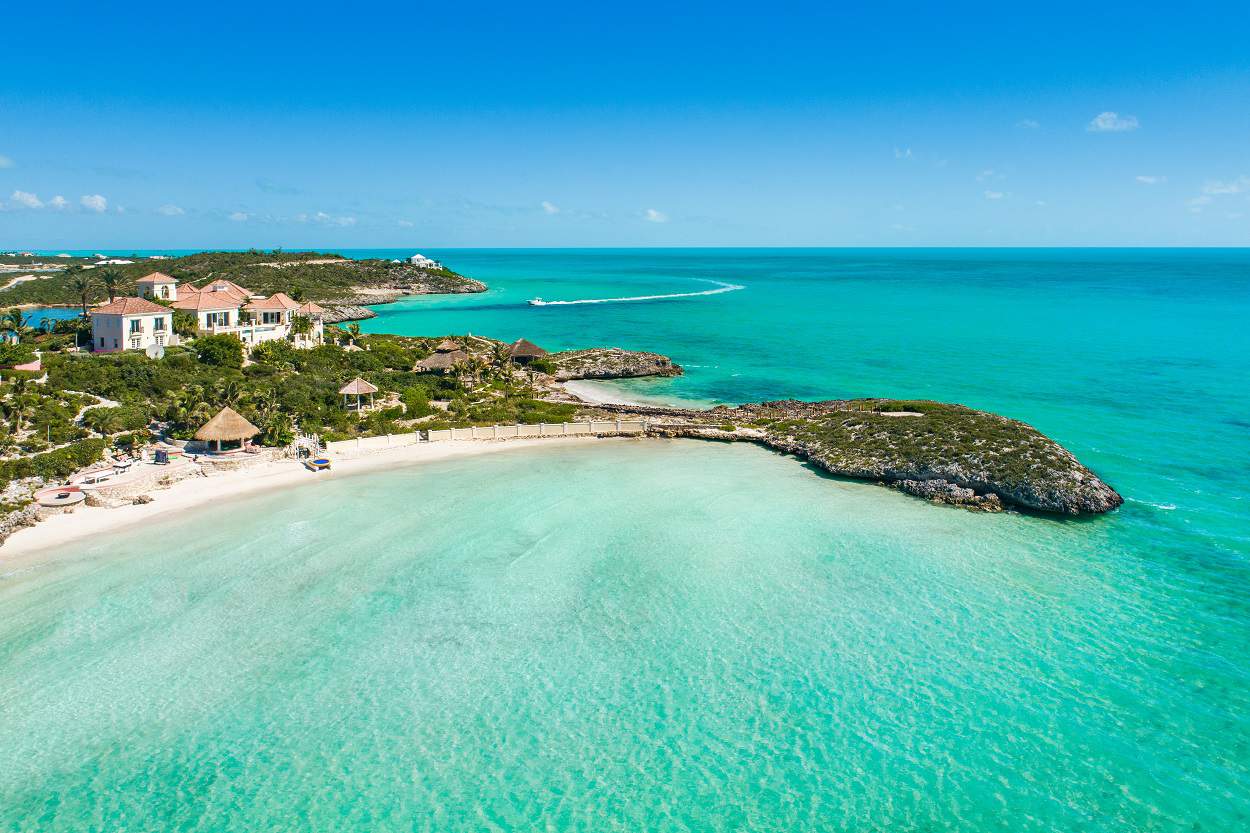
x=653, y=635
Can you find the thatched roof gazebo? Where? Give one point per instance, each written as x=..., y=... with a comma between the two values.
x=442, y=361
x=446, y=346
x=227, y=426
x=358, y=387
x=523, y=352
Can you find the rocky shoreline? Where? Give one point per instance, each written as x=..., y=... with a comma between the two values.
x=946, y=454
x=610, y=363
x=407, y=281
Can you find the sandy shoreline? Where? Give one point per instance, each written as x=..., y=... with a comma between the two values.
x=196, y=493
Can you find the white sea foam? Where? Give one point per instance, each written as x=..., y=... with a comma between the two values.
x=721, y=287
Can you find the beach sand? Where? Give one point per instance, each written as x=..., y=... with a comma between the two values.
x=196, y=493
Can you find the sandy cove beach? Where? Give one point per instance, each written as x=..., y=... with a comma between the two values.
x=197, y=492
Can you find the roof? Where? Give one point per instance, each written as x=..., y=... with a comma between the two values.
x=227, y=425
x=523, y=349
x=276, y=301
x=441, y=361
x=157, y=277
x=223, y=285
x=201, y=301
x=358, y=386
x=309, y=308
x=130, y=306
x=446, y=346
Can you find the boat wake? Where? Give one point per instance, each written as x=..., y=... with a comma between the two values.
x=721, y=287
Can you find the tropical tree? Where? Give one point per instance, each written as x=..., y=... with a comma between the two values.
x=14, y=320
x=301, y=325
x=230, y=393
x=110, y=279
x=185, y=323
x=83, y=284
x=353, y=332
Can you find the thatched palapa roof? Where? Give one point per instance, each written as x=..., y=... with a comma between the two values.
x=440, y=361
x=358, y=386
x=447, y=346
x=226, y=426
x=523, y=349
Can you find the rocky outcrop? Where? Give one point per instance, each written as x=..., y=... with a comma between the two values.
x=18, y=519
x=944, y=453
x=338, y=313
x=610, y=363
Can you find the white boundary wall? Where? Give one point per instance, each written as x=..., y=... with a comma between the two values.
x=604, y=427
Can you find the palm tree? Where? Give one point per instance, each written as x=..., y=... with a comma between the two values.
x=15, y=321
x=82, y=283
x=231, y=393
x=353, y=331
x=110, y=277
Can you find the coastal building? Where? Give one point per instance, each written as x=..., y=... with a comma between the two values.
x=447, y=354
x=131, y=324
x=228, y=426
x=158, y=285
x=424, y=262
x=357, y=387
x=524, y=352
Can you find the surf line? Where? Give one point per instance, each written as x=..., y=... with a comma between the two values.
x=721, y=287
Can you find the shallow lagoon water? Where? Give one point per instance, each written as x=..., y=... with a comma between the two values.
x=676, y=635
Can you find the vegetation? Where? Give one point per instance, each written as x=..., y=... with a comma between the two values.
x=315, y=276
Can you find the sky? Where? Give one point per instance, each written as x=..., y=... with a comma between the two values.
x=228, y=125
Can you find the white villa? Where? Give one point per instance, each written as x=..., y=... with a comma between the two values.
x=424, y=262
x=131, y=324
x=221, y=307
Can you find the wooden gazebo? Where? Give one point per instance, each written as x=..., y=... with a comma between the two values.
x=358, y=387
x=227, y=426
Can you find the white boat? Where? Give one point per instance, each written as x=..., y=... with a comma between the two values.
x=537, y=302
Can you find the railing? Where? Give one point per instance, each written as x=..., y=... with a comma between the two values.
x=598, y=427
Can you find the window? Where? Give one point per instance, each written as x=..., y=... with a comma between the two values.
x=270, y=317
x=164, y=291
x=101, y=342
x=114, y=344
x=160, y=340
x=158, y=324
x=135, y=343
x=136, y=325
x=218, y=319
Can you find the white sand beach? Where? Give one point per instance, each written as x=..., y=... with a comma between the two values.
x=199, y=492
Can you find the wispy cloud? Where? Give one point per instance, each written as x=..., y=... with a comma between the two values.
x=1151, y=180
x=5, y=161
x=902, y=153
x=170, y=210
x=94, y=202
x=26, y=199
x=988, y=174
x=1196, y=204
x=405, y=223
x=323, y=219
x=994, y=195
x=1216, y=187
x=239, y=216
x=1110, y=121
x=58, y=202
x=550, y=208
x=653, y=216
x=1028, y=124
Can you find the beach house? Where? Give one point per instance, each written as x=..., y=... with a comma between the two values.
x=220, y=307
x=424, y=262
x=131, y=324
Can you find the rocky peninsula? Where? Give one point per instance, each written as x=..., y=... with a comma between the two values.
x=947, y=454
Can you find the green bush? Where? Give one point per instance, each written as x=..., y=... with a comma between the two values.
x=219, y=350
x=53, y=465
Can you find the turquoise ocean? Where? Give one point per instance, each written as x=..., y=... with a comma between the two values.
x=668, y=635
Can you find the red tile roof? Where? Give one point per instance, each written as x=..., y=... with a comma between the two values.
x=130, y=306
x=276, y=301
x=202, y=301
x=156, y=277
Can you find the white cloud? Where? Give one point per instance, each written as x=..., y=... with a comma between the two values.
x=1197, y=203
x=550, y=208
x=27, y=199
x=1040, y=203
x=1110, y=121
x=170, y=210
x=903, y=153
x=1151, y=180
x=988, y=173
x=329, y=220
x=58, y=202
x=94, y=202
x=239, y=216
x=1028, y=124
x=1217, y=187
x=405, y=223
x=5, y=162
x=653, y=216
x=994, y=195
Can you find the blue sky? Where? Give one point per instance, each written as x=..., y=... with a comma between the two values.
x=549, y=124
